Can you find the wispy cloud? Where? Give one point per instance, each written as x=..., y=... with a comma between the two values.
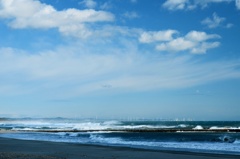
x=190, y=4
x=205, y=3
x=238, y=4
x=89, y=3
x=73, y=71
x=175, y=5
x=106, y=5
x=154, y=36
x=215, y=22
x=131, y=15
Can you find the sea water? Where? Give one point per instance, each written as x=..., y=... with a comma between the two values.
x=197, y=136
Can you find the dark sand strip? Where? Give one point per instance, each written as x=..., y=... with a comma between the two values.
x=23, y=149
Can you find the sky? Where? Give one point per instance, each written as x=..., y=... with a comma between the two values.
x=162, y=59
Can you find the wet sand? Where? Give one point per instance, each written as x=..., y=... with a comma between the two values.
x=24, y=149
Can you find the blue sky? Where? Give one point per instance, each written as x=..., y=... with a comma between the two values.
x=120, y=58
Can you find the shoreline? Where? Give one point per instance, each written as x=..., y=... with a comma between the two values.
x=19, y=149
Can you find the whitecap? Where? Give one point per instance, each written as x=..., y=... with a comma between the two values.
x=198, y=127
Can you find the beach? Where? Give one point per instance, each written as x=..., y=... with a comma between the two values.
x=27, y=149
x=104, y=139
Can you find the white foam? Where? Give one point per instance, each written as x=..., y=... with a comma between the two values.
x=182, y=126
x=198, y=127
x=80, y=125
x=218, y=128
x=112, y=123
x=223, y=128
x=234, y=128
x=237, y=142
x=23, y=129
x=100, y=139
x=61, y=133
x=61, y=125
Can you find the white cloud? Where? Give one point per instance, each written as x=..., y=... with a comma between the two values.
x=78, y=31
x=179, y=44
x=89, y=3
x=238, y=4
x=205, y=3
x=215, y=22
x=189, y=4
x=76, y=70
x=106, y=5
x=33, y=14
x=151, y=36
x=200, y=36
x=175, y=4
x=194, y=41
x=203, y=47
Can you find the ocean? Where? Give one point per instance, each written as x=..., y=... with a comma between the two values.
x=195, y=136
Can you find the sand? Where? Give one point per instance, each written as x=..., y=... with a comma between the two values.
x=24, y=149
